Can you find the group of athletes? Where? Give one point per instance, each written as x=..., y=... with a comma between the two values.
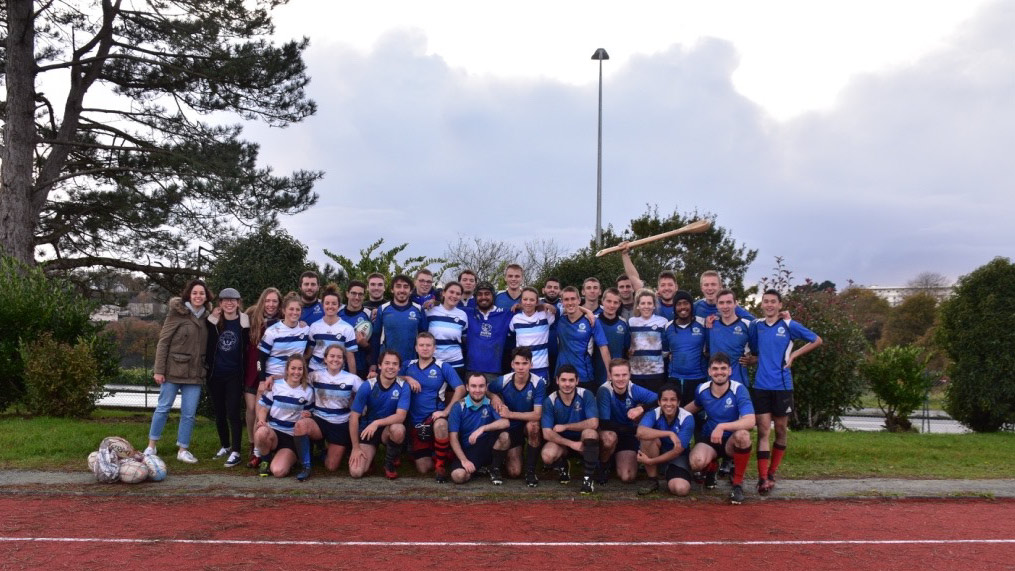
x=468, y=380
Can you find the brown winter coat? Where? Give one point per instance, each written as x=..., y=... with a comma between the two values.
x=180, y=354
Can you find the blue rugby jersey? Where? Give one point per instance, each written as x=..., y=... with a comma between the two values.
x=504, y=300
x=647, y=347
x=448, y=327
x=434, y=379
x=279, y=342
x=732, y=405
x=618, y=340
x=583, y=407
x=732, y=340
x=531, y=395
x=485, y=339
x=573, y=345
x=399, y=325
x=533, y=331
x=333, y=394
x=704, y=309
x=380, y=402
x=613, y=408
x=664, y=310
x=773, y=345
x=312, y=313
x=467, y=416
x=322, y=336
x=686, y=345
x=286, y=405
x=354, y=318
x=682, y=425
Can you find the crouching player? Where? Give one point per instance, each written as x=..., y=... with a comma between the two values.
x=286, y=400
x=429, y=379
x=570, y=420
x=522, y=394
x=666, y=433
x=477, y=434
x=380, y=408
x=621, y=405
x=334, y=389
x=726, y=433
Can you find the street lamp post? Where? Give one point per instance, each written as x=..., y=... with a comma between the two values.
x=600, y=55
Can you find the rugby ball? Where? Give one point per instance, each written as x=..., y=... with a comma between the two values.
x=132, y=471
x=119, y=445
x=156, y=468
x=92, y=459
x=364, y=327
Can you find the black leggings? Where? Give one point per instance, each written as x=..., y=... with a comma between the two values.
x=226, y=394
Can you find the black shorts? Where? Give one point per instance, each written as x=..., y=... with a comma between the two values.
x=480, y=453
x=375, y=440
x=688, y=388
x=627, y=442
x=592, y=385
x=517, y=436
x=337, y=434
x=677, y=469
x=776, y=403
x=285, y=441
x=720, y=449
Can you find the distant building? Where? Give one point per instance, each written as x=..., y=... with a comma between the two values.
x=895, y=295
x=145, y=305
x=106, y=313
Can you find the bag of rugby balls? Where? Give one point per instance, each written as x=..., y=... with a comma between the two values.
x=107, y=464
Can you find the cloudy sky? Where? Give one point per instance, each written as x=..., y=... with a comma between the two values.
x=860, y=140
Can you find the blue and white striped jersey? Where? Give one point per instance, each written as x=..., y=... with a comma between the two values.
x=279, y=342
x=533, y=331
x=286, y=404
x=447, y=327
x=333, y=394
x=323, y=336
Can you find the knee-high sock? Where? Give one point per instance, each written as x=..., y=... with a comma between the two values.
x=741, y=456
x=498, y=458
x=530, y=458
x=441, y=452
x=590, y=455
x=763, y=456
x=778, y=451
x=303, y=449
x=391, y=453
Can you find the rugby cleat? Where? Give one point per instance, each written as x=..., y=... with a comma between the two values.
x=254, y=461
x=602, y=475
x=440, y=476
x=304, y=475
x=725, y=468
x=765, y=486
x=495, y=477
x=650, y=488
x=709, y=480
x=564, y=472
x=737, y=495
x=588, y=486
x=531, y=480
x=264, y=470
x=390, y=471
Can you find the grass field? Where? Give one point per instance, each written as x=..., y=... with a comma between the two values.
x=64, y=444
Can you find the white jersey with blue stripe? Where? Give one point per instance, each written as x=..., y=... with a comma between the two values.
x=647, y=346
x=323, y=336
x=447, y=327
x=333, y=394
x=286, y=404
x=280, y=342
x=533, y=331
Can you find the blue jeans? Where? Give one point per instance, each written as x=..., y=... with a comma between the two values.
x=191, y=395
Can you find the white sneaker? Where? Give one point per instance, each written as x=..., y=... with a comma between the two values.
x=221, y=453
x=150, y=451
x=234, y=460
x=184, y=455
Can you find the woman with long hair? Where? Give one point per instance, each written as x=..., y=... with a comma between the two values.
x=180, y=360
x=263, y=314
x=287, y=399
x=228, y=335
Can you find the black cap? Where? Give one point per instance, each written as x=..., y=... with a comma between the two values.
x=485, y=285
x=682, y=294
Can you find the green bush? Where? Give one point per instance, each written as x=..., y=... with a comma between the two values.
x=976, y=332
x=32, y=304
x=269, y=257
x=60, y=379
x=897, y=376
x=826, y=383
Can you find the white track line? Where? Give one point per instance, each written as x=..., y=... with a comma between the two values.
x=504, y=543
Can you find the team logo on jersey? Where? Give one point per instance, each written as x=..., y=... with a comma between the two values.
x=412, y=315
x=227, y=341
x=302, y=400
x=628, y=403
x=695, y=331
x=620, y=329
x=394, y=394
x=577, y=406
x=528, y=395
x=781, y=331
x=729, y=402
x=738, y=330
x=486, y=330
x=581, y=327
x=433, y=373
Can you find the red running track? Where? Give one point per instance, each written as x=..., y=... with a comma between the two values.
x=88, y=532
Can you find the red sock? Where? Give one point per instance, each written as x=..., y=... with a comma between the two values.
x=442, y=452
x=778, y=451
x=712, y=467
x=763, y=456
x=741, y=456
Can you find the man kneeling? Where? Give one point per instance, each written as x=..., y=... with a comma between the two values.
x=730, y=418
x=666, y=434
x=485, y=440
x=570, y=422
